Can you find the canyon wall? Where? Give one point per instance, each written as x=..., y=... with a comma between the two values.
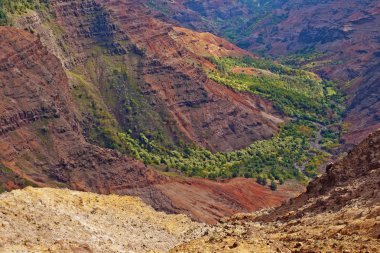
x=42, y=144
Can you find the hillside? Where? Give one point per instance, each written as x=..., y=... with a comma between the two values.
x=336, y=39
x=42, y=144
x=338, y=213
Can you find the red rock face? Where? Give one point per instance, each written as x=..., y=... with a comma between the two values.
x=41, y=141
x=344, y=32
x=347, y=35
x=171, y=77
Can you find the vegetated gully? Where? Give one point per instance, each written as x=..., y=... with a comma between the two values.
x=316, y=145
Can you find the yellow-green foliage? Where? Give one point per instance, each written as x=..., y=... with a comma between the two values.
x=295, y=92
x=276, y=159
x=312, y=167
x=11, y=7
x=105, y=128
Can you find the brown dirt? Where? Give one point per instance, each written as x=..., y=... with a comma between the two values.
x=51, y=220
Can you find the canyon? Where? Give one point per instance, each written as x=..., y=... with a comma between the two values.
x=339, y=212
x=336, y=39
x=179, y=100
x=42, y=145
x=157, y=126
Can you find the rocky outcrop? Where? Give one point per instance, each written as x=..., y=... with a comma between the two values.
x=51, y=220
x=41, y=144
x=338, y=213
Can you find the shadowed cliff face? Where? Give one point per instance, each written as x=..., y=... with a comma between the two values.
x=346, y=35
x=41, y=143
x=343, y=36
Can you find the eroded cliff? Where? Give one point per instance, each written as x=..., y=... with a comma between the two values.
x=41, y=143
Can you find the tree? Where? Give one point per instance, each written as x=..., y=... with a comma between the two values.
x=261, y=180
x=273, y=186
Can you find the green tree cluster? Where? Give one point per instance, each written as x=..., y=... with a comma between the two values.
x=10, y=7
x=295, y=92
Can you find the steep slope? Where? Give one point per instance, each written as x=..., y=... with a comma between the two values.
x=51, y=220
x=344, y=37
x=156, y=94
x=337, y=39
x=41, y=143
x=111, y=49
x=338, y=213
x=41, y=139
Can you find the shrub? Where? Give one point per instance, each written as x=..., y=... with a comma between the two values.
x=273, y=185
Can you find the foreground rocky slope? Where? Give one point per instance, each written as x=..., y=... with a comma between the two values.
x=51, y=220
x=41, y=144
x=339, y=213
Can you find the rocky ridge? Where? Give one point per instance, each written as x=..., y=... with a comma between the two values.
x=339, y=213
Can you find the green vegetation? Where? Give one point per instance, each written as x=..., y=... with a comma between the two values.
x=118, y=91
x=288, y=155
x=301, y=59
x=15, y=7
x=273, y=186
x=297, y=93
x=7, y=175
x=331, y=138
x=275, y=159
